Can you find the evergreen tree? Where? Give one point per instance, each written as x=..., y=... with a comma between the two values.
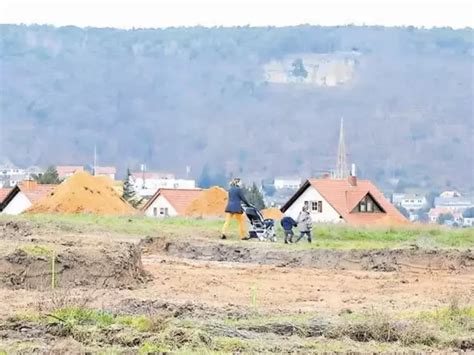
x=129, y=193
x=50, y=176
x=204, y=180
x=254, y=197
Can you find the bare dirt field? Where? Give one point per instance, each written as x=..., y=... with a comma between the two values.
x=131, y=294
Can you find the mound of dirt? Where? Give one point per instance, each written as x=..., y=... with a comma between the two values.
x=110, y=266
x=273, y=213
x=84, y=193
x=210, y=203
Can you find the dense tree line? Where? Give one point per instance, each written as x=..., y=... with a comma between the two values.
x=198, y=97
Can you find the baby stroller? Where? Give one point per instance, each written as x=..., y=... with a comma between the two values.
x=261, y=228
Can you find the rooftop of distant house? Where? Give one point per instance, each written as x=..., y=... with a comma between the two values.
x=105, y=170
x=178, y=198
x=64, y=170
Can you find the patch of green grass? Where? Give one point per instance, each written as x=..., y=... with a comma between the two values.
x=133, y=225
x=232, y=345
x=324, y=235
x=37, y=250
x=82, y=316
x=345, y=237
x=140, y=323
x=152, y=348
x=452, y=320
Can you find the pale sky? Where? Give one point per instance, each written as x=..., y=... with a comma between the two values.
x=168, y=13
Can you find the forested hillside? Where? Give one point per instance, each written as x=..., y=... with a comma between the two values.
x=253, y=101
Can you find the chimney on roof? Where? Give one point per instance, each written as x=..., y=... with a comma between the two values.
x=353, y=178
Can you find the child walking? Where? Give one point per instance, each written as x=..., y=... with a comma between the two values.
x=287, y=223
x=305, y=224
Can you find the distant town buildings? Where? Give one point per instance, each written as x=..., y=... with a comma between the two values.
x=64, y=171
x=455, y=203
x=108, y=171
x=281, y=183
x=411, y=202
x=146, y=184
x=11, y=176
x=454, y=208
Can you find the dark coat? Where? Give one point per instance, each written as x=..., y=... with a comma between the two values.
x=236, y=197
x=288, y=223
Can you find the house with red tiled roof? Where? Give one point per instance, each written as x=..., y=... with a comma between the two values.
x=109, y=171
x=23, y=195
x=3, y=193
x=351, y=201
x=435, y=213
x=170, y=202
x=64, y=171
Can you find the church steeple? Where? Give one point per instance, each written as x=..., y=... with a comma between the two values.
x=342, y=172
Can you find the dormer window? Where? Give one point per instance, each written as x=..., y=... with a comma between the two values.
x=368, y=205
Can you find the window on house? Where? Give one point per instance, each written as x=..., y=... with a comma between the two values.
x=370, y=206
x=367, y=204
x=315, y=206
x=155, y=211
x=164, y=211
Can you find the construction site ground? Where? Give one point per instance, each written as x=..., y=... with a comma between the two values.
x=131, y=285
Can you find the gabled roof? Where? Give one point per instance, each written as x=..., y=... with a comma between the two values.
x=437, y=211
x=180, y=199
x=105, y=170
x=31, y=189
x=344, y=197
x=64, y=170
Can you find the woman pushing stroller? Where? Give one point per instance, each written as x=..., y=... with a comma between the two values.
x=234, y=208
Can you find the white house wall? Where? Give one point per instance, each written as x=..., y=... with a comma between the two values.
x=152, y=185
x=329, y=214
x=160, y=202
x=17, y=205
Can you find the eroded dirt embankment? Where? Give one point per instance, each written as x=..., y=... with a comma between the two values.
x=31, y=264
x=375, y=260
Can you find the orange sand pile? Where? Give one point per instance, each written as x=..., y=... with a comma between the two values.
x=273, y=213
x=210, y=203
x=84, y=193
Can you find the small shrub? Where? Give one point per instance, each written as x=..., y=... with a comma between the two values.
x=152, y=348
